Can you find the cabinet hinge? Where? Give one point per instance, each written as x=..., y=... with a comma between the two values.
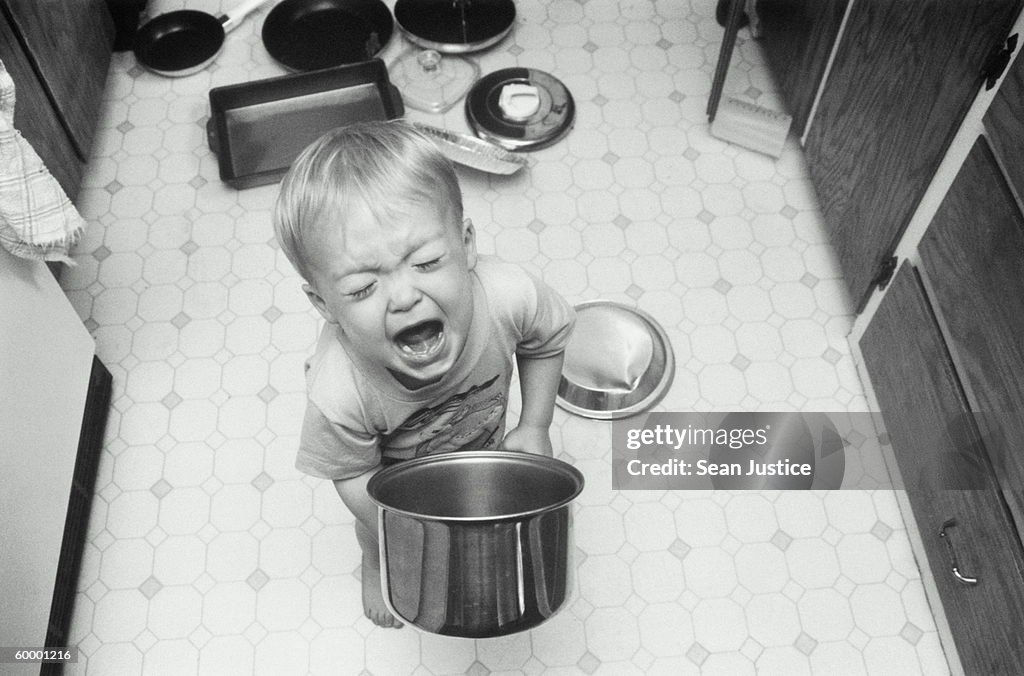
x=886, y=269
x=997, y=61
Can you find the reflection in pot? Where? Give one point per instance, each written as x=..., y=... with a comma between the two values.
x=476, y=544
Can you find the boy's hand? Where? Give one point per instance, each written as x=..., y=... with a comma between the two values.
x=538, y=381
x=530, y=439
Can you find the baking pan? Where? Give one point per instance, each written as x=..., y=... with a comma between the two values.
x=258, y=128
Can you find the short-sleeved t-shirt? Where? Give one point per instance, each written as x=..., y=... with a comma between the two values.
x=359, y=417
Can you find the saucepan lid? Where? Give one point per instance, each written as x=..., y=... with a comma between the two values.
x=520, y=108
x=455, y=26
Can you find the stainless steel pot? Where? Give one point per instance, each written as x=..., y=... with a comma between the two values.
x=476, y=543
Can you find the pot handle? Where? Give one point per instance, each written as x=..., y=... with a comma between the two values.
x=234, y=16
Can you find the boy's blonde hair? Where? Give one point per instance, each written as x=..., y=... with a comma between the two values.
x=384, y=165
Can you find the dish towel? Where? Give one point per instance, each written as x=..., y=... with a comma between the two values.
x=37, y=220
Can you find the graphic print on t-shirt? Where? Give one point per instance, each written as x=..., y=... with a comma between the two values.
x=470, y=420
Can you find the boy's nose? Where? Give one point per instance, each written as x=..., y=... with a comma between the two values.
x=404, y=294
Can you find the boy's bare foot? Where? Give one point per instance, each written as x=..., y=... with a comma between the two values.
x=373, y=600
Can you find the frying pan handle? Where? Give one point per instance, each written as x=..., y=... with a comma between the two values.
x=234, y=16
x=211, y=137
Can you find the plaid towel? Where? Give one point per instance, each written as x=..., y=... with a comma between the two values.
x=37, y=220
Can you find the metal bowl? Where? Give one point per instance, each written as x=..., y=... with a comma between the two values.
x=618, y=363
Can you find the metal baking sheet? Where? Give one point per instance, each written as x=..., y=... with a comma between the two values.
x=258, y=128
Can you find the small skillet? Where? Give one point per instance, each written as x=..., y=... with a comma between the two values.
x=304, y=35
x=185, y=41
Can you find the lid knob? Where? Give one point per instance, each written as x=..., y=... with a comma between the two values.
x=519, y=101
x=429, y=60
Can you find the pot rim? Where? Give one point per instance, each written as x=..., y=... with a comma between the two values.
x=547, y=462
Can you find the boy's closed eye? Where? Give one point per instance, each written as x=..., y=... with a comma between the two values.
x=430, y=264
x=362, y=292
x=366, y=289
x=359, y=287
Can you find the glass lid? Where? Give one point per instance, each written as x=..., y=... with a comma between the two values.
x=431, y=81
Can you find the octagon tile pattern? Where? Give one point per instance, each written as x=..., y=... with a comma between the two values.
x=208, y=552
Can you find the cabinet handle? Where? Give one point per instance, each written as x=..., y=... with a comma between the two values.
x=961, y=577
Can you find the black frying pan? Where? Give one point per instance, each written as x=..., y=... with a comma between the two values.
x=307, y=35
x=185, y=41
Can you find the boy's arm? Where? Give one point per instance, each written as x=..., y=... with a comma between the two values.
x=353, y=493
x=538, y=382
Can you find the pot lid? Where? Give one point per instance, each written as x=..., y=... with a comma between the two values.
x=455, y=26
x=520, y=108
x=618, y=363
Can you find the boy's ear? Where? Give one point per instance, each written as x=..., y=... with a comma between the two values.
x=318, y=302
x=469, y=241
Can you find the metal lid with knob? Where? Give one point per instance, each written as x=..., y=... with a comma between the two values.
x=455, y=26
x=520, y=108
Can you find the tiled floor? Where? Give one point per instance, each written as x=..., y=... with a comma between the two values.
x=207, y=552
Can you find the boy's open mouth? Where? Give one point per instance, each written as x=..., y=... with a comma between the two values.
x=421, y=340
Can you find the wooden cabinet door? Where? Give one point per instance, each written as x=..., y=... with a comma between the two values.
x=923, y=409
x=34, y=116
x=69, y=45
x=919, y=393
x=903, y=78
x=797, y=38
x=1004, y=122
x=973, y=257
